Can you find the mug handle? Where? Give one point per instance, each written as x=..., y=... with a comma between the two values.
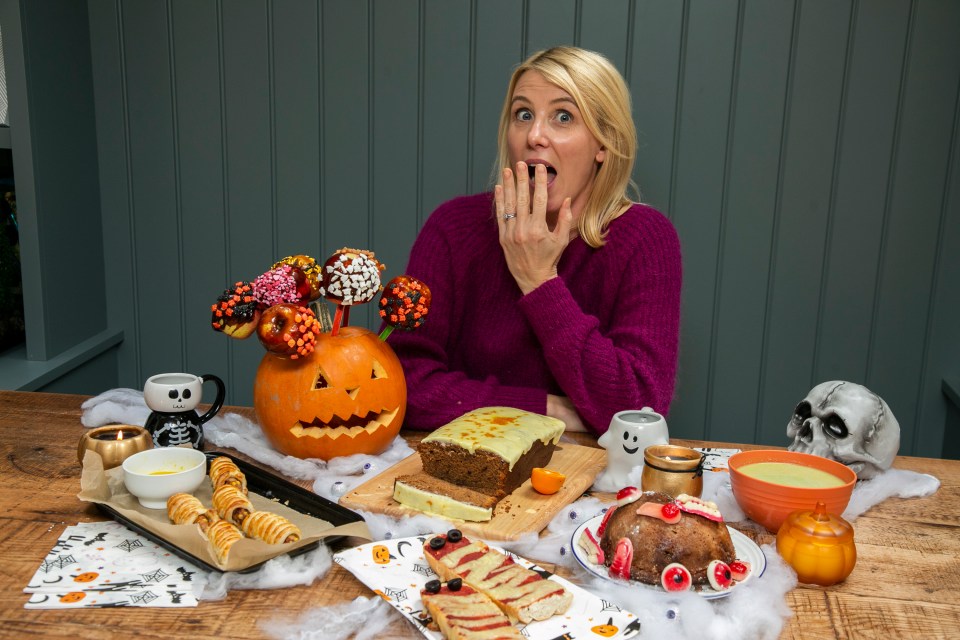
x=221, y=395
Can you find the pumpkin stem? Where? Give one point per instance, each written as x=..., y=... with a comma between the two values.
x=387, y=330
x=337, y=320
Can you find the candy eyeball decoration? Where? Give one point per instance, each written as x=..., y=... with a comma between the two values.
x=848, y=423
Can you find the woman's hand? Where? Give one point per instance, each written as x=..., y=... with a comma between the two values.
x=532, y=249
x=561, y=407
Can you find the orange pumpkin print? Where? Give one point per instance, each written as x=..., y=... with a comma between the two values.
x=381, y=555
x=348, y=396
x=88, y=576
x=606, y=630
x=73, y=596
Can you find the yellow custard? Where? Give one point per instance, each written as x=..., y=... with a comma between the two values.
x=792, y=475
x=161, y=473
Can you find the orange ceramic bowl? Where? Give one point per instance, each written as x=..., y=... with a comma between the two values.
x=769, y=503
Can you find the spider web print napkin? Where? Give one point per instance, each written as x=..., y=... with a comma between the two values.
x=104, y=564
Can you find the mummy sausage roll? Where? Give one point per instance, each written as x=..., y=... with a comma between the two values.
x=223, y=471
x=232, y=505
x=222, y=536
x=270, y=527
x=183, y=508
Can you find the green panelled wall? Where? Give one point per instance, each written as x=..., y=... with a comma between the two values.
x=807, y=152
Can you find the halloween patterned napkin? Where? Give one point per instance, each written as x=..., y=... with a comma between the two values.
x=396, y=571
x=104, y=564
x=715, y=459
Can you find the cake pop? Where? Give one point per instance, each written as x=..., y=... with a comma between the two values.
x=307, y=275
x=404, y=304
x=288, y=330
x=236, y=312
x=350, y=276
x=277, y=286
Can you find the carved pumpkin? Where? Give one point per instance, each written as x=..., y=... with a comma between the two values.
x=348, y=396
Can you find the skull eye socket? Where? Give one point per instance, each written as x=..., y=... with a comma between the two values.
x=802, y=412
x=172, y=394
x=834, y=427
x=186, y=394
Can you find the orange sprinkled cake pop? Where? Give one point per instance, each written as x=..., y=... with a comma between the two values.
x=404, y=304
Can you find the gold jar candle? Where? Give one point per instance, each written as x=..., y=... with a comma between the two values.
x=672, y=470
x=114, y=442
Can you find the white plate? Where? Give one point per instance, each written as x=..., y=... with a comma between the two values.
x=746, y=549
x=396, y=570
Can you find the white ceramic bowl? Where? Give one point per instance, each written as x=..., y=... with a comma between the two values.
x=156, y=474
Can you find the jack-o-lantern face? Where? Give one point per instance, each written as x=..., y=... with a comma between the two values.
x=89, y=576
x=348, y=396
x=381, y=555
x=73, y=596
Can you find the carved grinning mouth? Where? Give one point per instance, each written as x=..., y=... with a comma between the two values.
x=338, y=426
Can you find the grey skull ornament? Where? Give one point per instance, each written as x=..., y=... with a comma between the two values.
x=846, y=422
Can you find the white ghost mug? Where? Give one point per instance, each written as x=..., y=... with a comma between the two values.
x=173, y=398
x=631, y=432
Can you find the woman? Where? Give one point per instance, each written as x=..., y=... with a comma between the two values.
x=555, y=293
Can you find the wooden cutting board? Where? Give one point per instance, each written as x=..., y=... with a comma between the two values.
x=523, y=511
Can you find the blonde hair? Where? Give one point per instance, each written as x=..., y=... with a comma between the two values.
x=603, y=99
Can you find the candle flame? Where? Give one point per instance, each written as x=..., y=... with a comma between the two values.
x=120, y=434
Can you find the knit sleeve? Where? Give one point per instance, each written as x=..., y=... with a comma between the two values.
x=632, y=362
x=436, y=392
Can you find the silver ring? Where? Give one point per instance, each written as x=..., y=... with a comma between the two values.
x=509, y=216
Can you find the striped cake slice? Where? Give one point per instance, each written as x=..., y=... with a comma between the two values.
x=520, y=593
x=466, y=614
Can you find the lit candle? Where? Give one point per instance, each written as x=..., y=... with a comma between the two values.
x=115, y=443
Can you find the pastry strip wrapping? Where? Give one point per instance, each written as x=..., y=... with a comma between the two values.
x=223, y=535
x=270, y=527
x=223, y=471
x=183, y=508
x=232, y=504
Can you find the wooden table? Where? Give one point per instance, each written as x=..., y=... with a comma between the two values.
x=906, y=583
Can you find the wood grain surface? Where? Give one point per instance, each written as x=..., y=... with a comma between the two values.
x=905, y=584
x=523, y=511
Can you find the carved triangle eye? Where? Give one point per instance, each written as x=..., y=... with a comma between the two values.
x=321, y=382
x=378, y=371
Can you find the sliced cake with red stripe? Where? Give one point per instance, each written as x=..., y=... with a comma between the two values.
x=462, y=613
x=520, y=593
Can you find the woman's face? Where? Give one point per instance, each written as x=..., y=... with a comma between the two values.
x=547, y=128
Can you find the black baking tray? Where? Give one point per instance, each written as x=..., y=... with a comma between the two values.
x=269, y=486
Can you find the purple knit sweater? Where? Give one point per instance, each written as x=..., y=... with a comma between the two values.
x=604, y=333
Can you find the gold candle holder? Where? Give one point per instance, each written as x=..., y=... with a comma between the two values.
x=672, y=470
x=114, y=442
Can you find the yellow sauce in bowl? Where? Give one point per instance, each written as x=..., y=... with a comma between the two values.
x=791, y=475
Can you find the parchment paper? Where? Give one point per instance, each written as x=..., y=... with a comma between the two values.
x=106, y=487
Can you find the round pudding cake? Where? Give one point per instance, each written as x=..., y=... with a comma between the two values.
x=691, y=533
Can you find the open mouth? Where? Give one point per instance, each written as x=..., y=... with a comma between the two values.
x=340, y=426
x=532, y=168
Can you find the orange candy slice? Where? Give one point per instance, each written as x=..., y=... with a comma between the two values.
x=546, y=481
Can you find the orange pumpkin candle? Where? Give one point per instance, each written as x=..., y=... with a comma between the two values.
x=818, y=545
